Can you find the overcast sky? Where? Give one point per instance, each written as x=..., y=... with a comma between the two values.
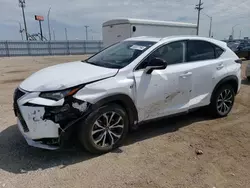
x=74, y=14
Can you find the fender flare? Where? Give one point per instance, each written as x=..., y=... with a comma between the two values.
x=125, y=101
x=231, y=78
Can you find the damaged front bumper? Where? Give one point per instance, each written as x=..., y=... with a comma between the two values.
x=43, y=122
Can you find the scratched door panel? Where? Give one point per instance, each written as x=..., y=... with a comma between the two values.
x=162, y=93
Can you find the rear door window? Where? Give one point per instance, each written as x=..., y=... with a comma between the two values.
x=200, y=50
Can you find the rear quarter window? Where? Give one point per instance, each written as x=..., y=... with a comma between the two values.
x=218, y=51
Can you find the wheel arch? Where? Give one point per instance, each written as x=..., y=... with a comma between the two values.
x=231, y=80
x=123, y=100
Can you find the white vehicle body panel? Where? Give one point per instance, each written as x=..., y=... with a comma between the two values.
x=33, y=117
x=162, y=93
x=205, y=72
x=66, y=75
x=92, y=93
x=120, y=29
x=178, y=88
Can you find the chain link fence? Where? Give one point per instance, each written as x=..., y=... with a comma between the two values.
x=44, y=48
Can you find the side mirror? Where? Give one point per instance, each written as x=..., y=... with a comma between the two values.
x=155, y=64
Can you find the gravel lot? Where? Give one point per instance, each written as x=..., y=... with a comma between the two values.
x=159, y=154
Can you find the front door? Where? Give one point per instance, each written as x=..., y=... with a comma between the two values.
x=164, y=92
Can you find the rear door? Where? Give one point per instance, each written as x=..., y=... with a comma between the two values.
x=207, y=69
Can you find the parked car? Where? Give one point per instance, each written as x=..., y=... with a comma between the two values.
x=248, y=71
x=242, y=49
x=134, y=81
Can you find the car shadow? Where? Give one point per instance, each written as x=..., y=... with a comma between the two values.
x=245, y=82
x=17, y=157
x=166, y=125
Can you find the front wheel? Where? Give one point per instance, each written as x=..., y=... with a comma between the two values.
x=104, y=129
x=222, y=101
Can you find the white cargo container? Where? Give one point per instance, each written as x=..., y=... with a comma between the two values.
x=119, y=29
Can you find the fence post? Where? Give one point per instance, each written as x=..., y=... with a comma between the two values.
x=67, y=46
x=7, y=48
x=100, y=45
x=49, y=48
x=28, y=46
x=85, y=47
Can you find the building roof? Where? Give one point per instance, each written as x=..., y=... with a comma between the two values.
x=147, y=22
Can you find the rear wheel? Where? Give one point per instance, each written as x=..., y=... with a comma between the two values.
x=104, y=129
x=222, y=101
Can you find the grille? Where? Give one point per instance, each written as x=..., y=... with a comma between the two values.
x=17, y=95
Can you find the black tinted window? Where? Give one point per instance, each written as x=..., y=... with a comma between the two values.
x=218, y=51
x=200, y=50
x=172, y=53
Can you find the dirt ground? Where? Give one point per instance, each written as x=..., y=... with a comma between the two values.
x=159, y=154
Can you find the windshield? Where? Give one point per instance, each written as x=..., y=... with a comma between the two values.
x=120, y=54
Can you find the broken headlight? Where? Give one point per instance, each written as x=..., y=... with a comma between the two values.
x=58, y=95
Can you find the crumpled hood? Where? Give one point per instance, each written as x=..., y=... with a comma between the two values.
x=65, y=75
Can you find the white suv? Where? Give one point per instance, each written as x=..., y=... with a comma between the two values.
x=136, y=80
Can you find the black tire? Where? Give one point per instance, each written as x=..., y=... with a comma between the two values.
x=216, y=103
x=86, y=129
x=248, y=78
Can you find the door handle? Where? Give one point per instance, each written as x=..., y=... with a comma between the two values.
x=186, y=74
x=220, y=66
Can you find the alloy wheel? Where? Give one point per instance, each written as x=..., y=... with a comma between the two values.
x=107, y=129
x=225, y=101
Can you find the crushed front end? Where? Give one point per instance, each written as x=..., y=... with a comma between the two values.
x=44, y=122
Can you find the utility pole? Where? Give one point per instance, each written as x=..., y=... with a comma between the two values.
x=41, y=31
x=66, y=34
x=49, y=24
x=199, y=8
x=86, y=27
x=233, y=30
x=40, y=19
x=210, y=29
x=21, y=30
x=54, y=35
x=211, y=21
x=22, y=5
x=240, y=35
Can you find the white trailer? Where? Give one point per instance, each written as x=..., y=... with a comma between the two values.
x=120, y=29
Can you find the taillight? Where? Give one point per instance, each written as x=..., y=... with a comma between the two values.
x=238, y=61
